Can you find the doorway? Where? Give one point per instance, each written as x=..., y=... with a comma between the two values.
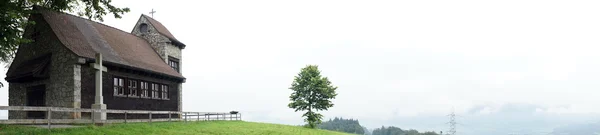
x=36, y=96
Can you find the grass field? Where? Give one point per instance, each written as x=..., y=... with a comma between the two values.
x=174, y=128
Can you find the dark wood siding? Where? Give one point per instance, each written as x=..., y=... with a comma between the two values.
x=126, y=103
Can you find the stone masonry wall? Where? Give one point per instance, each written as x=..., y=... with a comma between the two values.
x=175, y=52
x=156, y=40
x=61, y=86
x=162, y=45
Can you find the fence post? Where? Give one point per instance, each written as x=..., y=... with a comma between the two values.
x=169, y=116
x=240, y=116
x=185, y=116
x=150, y=116
x=198, y=115
x=49, y=117
x=92, y=114
x=125, y=116
x=217, y=116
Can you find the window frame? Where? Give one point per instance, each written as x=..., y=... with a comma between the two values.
x=143, y=28
x=137, y=88
x=144, y=91
x=119, y=86
x=155, y=89
x=133, y=88
x=164, y=90
x=174, y=61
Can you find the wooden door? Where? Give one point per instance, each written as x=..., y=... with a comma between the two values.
x=36, y=96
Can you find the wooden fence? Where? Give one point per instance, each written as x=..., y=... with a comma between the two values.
x=185, y=116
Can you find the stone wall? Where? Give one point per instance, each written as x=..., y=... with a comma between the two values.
x=61, y=86
x=173, y=51
x=17, y=96
x=162, y=45
x=158, y=42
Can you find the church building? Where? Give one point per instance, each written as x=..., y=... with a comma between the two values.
x=143, y=67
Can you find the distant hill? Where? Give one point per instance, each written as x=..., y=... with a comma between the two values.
x=578, y=129
x=391, y=130
x=354, y=127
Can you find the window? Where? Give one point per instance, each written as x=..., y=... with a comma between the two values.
x=119, y=84
x=165, y=92
x=144, y=28
x=132, y=88
x=174, y=63
x=126, y=87
x=35, y=35
x=155, y=88
x=144, y=89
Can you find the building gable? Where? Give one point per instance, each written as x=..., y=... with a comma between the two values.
x=150, y=29
x=155, y=27
x=32, y=60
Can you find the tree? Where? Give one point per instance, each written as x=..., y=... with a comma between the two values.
x=311, y=93
x=14, y=18
x=343, y=125
x=398, y=131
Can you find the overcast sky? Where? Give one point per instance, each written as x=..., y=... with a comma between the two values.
x=510, y=64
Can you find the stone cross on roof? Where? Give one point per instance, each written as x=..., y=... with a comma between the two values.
x=152, y=13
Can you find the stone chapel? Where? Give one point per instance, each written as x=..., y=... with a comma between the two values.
x=143, y=67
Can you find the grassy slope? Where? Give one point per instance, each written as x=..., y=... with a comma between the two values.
x=172, y=128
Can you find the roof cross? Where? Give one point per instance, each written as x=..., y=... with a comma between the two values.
x=152, y=13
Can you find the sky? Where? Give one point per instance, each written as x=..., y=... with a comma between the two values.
x=511, y=66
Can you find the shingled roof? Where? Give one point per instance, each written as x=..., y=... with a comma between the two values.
x=163, y=30
x=86, y=38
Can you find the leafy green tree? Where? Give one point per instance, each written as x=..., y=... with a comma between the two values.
x=14, y=18
x=311, y=93
x=343, y=125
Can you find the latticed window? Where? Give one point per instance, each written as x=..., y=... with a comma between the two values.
x=165, y=91
x=132, y=87
x=174, y=63
x=119, y=86
x=144, y=89
x=155, y=88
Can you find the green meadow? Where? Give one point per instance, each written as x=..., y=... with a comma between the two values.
x=173, y=128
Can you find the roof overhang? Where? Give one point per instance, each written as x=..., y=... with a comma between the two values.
x=150, y=72
x=177, y=43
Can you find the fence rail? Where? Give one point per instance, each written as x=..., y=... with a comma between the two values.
x=185, y=116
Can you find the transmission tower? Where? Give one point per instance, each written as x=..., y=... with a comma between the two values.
x=452, y=123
